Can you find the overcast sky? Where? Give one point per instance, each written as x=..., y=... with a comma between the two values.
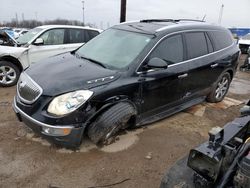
x=105, y=13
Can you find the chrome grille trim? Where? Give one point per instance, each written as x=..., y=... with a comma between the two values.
x=32, y=91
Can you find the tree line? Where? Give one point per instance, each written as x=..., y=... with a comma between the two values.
x=35, y=23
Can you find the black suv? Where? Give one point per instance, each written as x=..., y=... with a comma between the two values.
x=132, y=74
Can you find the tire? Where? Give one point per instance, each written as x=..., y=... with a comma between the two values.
x=9, y=74
x=220, y=88
x=110, y=122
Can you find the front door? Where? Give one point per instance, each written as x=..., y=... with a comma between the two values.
x=53, y=45
x=164, y=88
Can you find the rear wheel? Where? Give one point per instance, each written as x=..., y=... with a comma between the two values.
x=110, y=122
x=9, y=74
x=220, y=89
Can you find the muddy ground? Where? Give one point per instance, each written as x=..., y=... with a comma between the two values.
x=140, y=158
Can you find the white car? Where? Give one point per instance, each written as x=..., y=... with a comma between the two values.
x=244, y=43
x=37, y=44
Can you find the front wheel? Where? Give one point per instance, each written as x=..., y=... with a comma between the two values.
x=220, y=89
x=110, y=122
x=9, y=74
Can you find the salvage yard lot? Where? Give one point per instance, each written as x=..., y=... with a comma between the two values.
x=140, y=158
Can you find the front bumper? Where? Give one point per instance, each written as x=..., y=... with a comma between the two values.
x=67, y=136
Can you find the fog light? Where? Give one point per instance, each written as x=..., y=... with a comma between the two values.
x=54, y=131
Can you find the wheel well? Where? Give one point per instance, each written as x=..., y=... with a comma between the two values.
x=231, y=73
x=131, y=121
x=14, y=61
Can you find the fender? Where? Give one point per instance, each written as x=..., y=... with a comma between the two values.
x=108, y=103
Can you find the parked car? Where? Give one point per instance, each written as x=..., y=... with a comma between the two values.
x=37, y=44
x=130, y=75
x=20, y=31
x=244, y=43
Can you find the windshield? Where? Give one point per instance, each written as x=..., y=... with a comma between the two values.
x=24, y=39
x=246, y=37
x=115, y=48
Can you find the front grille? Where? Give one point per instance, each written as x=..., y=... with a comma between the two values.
x=28, y=90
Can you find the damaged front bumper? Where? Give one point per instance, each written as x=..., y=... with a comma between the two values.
x=67, y=136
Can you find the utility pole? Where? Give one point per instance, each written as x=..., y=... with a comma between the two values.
x=83, y=12
x=123, y=10
x=16, y=20
x=36, y=15
x=221, y=14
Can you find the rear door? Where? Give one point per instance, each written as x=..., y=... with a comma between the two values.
x=198, y=47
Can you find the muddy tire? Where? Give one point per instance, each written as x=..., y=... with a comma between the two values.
x=9, y=74
x=110, y=122
x=220, y=88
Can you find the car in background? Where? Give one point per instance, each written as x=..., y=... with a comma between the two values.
x=40, y=43
x=130, y=75
x=244, y=43
x=6, y=39
x=10, y=31
x=20, y=31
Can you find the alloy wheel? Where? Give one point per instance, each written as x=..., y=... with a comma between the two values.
x=222, y=88
x=7, y=75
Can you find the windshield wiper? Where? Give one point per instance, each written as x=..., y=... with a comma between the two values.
x=94, y=61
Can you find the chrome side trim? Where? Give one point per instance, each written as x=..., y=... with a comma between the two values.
x=139, y=72
x=18, y=110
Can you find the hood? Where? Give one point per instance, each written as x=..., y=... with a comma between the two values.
x=66, y=72
x=7, y=39
x=12, y=51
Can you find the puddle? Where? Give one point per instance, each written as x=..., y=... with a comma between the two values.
x=125, y=141
x=239, y=86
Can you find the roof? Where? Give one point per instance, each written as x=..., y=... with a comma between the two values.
x=159, y=26
x=68, y=26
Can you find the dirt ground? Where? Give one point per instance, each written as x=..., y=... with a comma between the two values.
x=139, y=159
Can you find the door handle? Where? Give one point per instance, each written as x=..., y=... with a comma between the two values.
x=214, y=65
x=183, y=75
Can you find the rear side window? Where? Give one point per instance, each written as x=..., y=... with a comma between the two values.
x=92, y=33
x=76, y=36
x=196, y=44
x=170, y=50
x=221, y=39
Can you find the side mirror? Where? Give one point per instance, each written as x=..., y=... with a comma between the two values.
x=38, y=41
x=156, y=62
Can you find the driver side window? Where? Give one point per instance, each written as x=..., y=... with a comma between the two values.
x=170, y=50
x=53, y=37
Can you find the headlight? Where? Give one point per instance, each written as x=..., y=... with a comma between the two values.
x=69, y=102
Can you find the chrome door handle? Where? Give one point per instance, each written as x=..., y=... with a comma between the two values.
x=183, y=75
x=214, y=65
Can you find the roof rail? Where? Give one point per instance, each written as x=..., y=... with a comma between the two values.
x=157, y=20
x=192, y=20
x=170, y=20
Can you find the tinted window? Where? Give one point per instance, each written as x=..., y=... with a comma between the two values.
x=92, y=33
x=53, y=37
x=196, y=44
x=170, y=50
x=76, y=36
x=221, y=39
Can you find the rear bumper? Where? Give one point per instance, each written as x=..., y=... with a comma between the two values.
x=72, y=137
